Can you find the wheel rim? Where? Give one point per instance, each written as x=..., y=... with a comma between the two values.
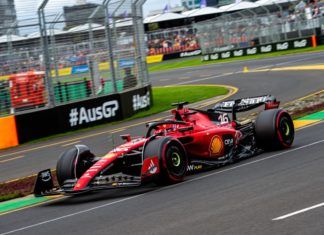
x=286, y=130
x=176, y=159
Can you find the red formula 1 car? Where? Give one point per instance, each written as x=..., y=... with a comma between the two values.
x=193, y=140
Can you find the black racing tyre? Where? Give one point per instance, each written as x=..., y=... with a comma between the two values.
x=274, y=129
x=173, y=159
x=73, y=163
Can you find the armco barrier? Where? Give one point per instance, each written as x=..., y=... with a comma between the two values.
x=82, y=114
x=261, y=49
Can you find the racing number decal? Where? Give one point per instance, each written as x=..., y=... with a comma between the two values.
x=216, y=146
x=223, y=118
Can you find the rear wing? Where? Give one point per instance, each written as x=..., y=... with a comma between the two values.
x=246, y=104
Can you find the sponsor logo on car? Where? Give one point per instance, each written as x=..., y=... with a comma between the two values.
x=229, y=141
x=244, y=102
x=216, y=146
x=107, y=110
x=193, y=167
x=255, y=100
x=150, y=166
x=46, y=176
x=141, y=102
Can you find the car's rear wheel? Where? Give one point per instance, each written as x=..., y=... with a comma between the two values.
x=173, y=160
x=274, y=129
x=73, y=163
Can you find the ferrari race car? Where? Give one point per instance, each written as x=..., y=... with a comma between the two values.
x=192, y=141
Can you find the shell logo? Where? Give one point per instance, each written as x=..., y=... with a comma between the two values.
x=216, y=146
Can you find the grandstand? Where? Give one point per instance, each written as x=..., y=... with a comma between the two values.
x=211, y=29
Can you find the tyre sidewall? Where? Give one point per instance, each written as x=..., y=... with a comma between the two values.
x=268, y=133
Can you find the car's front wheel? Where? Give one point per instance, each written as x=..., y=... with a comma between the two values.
x=73, y=163
x=172, y=156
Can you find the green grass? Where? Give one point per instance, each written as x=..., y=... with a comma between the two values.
x=164, y=96
x=10, y=196
x=196, y=61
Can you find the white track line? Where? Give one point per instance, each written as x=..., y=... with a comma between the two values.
x=11, y=159
x=299, y=212
x=185, y=182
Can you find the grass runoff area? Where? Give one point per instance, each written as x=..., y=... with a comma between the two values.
x=196, y=61
x=162, y=96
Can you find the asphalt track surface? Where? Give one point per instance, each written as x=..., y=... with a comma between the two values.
x=242, y=198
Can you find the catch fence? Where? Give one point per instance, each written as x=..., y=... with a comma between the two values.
x=257, y=26
x=59, y=55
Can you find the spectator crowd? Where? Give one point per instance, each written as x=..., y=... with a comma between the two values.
x=239, y=33
x=166, y=42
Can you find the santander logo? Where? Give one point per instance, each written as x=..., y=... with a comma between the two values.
x=152, y=168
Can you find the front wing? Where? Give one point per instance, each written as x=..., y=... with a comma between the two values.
x=44, y=185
